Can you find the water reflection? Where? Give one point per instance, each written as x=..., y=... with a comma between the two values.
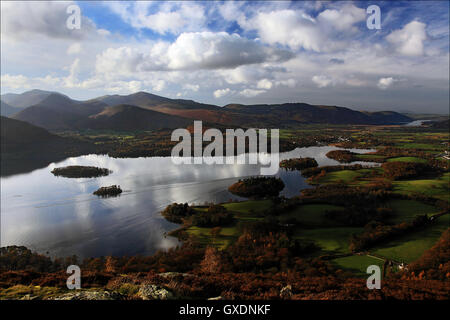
x=61, y=216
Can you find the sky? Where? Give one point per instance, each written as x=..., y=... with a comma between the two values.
x=220, y=52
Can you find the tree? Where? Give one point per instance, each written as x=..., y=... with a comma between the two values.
x=211, y=263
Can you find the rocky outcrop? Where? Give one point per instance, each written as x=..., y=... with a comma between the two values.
x=88, y=295
x=286, y=292
x=152, y=292
x=171, y=275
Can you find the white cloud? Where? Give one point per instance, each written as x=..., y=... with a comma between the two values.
x=250, y=93
x=342, y=19
x=119, y=61
x=298, y=30
x=322, y=81
x=159, y=85
x=192, y=87
x=385, y=83
x=288, y=27
x=355, y=82
x=330, y=47
x=264, y=84
x=291, y=83
x=22, y=82
x=72, y=79
x=103, y=32
x=15, y=81
x=232, y=10
x=191, y=51
x=219, y=93
x=249, y=74
x=22, y=19
x=164, y=17
x=74, y=48
x=210, y=50
x=409, y=40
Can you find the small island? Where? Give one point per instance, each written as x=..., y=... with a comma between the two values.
x=298, y=163
x=177, y=212
x=343, y=156
x=257, y=187
x=110, y=191
x=204, y=217
x=81, y=172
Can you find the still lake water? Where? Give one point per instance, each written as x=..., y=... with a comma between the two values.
x=61, y=217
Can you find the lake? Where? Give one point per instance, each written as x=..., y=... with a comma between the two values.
x=417, y=123
x=61, y=217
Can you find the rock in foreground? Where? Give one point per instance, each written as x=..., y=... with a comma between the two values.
x=152, y=292
x=88, y=295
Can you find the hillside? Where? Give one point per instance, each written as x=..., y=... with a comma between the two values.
x=129, y=118
x=7, y=110
x=148, y=100
x=445, y=124
x=55, y=112
x=26, y=99
x=298, y=113
x=25, y=147
x=59, y=113
x=48, y=118
x=284, y=115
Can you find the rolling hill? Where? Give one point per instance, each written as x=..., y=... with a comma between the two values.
x=25, y=147
x=26, y=99
x=59, y=112
x=148, y=100
x=127, y=117
x=7, y=110
x=146, y=111
x=48, y=118
x=444, y=124
x=291, y=114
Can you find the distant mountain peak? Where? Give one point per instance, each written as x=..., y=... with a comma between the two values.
x=57, y=111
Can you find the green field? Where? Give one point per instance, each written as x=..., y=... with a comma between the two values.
x=203, y=236
x=407, y=210
x=248, y=206
x=436, y=188
x=410, y=247
x=345, y=176
x=357, y=264
x=422, y=146
x=330, y=240
x=311, y=214
x=311, y=222
x=350, y=177
x=368, y=156
x=244, y=211
x=407, y=159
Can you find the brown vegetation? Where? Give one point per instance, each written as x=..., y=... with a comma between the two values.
x=298, y=163
x=403, y=170
x=110, y=191
x=257, y=187
x=80, y=172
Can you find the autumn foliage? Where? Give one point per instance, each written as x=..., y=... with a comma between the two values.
x=257, y=187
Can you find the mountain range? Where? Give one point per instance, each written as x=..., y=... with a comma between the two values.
x=145, y=111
